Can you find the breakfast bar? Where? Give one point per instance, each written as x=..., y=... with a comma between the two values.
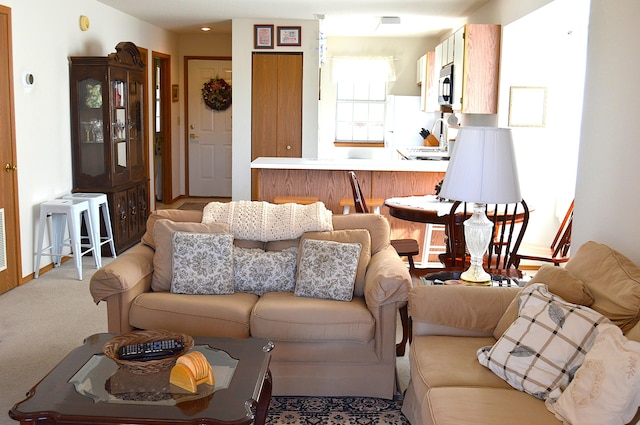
x=328, y=180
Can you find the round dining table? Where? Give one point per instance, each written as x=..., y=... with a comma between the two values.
x=421, y=209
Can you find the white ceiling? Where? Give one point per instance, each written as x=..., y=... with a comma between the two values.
x=428, y=18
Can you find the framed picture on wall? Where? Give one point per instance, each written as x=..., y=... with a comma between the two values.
x=527, y=106
x=289, y=36
x=263, y=36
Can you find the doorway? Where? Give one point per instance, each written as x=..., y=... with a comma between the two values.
x=208, y=131
x=10, y=263
x=163, y=96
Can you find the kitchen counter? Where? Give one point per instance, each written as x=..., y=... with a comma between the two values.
x=438, y=166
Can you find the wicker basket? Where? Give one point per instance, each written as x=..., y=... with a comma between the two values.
x=111, y=348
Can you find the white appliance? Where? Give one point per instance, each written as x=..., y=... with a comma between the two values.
x=403, y=121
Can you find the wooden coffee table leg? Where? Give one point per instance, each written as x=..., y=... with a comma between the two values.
x=262, y=409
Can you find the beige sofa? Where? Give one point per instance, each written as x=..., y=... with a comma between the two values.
x=449, y=386
x=322, y=347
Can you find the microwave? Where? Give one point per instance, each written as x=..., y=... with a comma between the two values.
x=445, y=85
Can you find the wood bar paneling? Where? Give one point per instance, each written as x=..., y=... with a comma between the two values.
x=332, y=185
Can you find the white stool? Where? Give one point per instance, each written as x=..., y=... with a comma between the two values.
x=71, y=213
x=97, y=200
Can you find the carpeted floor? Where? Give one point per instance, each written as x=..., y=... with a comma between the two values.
x=43, y=320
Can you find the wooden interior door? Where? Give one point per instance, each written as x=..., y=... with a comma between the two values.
x=10, y=263
x=276, y=108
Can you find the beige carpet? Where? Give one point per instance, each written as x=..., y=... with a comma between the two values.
x=43, y=320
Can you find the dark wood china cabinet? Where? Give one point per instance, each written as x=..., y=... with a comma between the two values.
x=108, y=137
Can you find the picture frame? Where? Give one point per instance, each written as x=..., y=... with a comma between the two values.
x=263, y=36
x=289, y=36
x=174, y=93
x=527, y=106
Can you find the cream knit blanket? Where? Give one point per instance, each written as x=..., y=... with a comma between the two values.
x=262, y=221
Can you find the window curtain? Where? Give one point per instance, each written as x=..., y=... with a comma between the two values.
x=345, y=69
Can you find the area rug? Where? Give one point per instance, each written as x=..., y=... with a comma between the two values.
x=334, y=411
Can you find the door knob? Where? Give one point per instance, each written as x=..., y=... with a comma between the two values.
x=10, y=167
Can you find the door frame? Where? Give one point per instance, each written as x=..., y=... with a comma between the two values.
x=12, y=226
x=165, y=114
x=186, y=110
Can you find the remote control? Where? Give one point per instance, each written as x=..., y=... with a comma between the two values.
x=153, y=350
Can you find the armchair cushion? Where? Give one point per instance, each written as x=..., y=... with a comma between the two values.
x=202, y=263
x=257, y=271
x=360, y=236
x=162, y=231
x=559, y=281
x=327, y=269
x=606, y=388
x=543, y=348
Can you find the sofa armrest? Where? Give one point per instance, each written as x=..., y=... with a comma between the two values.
x=458, y=310
x=123, y=273
x=387, y=279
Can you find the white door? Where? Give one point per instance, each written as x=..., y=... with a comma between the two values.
x=209, y=136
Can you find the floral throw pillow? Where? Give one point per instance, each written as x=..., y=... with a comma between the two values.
x=202, y=263
x=327, y=269
x=258, y=271
x=606, y=388
x=540, y=352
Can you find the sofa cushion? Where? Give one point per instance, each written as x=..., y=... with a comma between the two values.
x=281, y=316
x=202, y=263
x=606, y=388
x=542, y=349
x=162, y=231
x=376, y=224
x=613, y=280
x=559, y=281
x=484, y=406
x=192, y=216
x=259, y=271
x=327, y=269
x=451, y=361
x=361, y=236
x=203, y=315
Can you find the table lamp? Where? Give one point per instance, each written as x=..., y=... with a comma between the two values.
x=482, y=170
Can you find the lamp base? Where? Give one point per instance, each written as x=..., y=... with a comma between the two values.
x=478, y=230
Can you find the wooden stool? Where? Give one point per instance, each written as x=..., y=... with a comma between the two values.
x=69, y=212
x=304, y=200
x=97, y=201
x=375, y=203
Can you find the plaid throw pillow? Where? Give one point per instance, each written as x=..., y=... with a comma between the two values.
x=540, y=352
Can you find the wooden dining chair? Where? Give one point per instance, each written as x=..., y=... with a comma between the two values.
x=509, y=225
x=556, y=253
x=404, y=247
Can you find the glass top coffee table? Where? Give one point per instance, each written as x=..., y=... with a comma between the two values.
x=87, y=387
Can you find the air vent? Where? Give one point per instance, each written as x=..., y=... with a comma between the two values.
x=3, y=242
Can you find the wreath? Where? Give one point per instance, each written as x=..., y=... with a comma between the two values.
x=216, y=94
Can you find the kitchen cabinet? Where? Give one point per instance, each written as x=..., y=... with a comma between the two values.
x=428, y=81
x=476, y=68
x=108, y=137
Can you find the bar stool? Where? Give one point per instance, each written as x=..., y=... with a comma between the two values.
x=69, y=212
x=96, y=201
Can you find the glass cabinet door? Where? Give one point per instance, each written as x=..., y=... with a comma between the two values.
x=91, y=129
x=136, y=126
x=119, y=128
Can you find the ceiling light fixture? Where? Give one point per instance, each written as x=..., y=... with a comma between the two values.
x=205, y=29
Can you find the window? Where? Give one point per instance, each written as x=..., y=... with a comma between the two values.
x=361, y=93
x=360, y=111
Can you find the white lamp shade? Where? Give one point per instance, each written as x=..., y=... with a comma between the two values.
x=482, y=167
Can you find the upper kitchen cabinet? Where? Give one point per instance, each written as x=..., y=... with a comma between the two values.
x=476, y=68
x=428, y=81
x=108, y=136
